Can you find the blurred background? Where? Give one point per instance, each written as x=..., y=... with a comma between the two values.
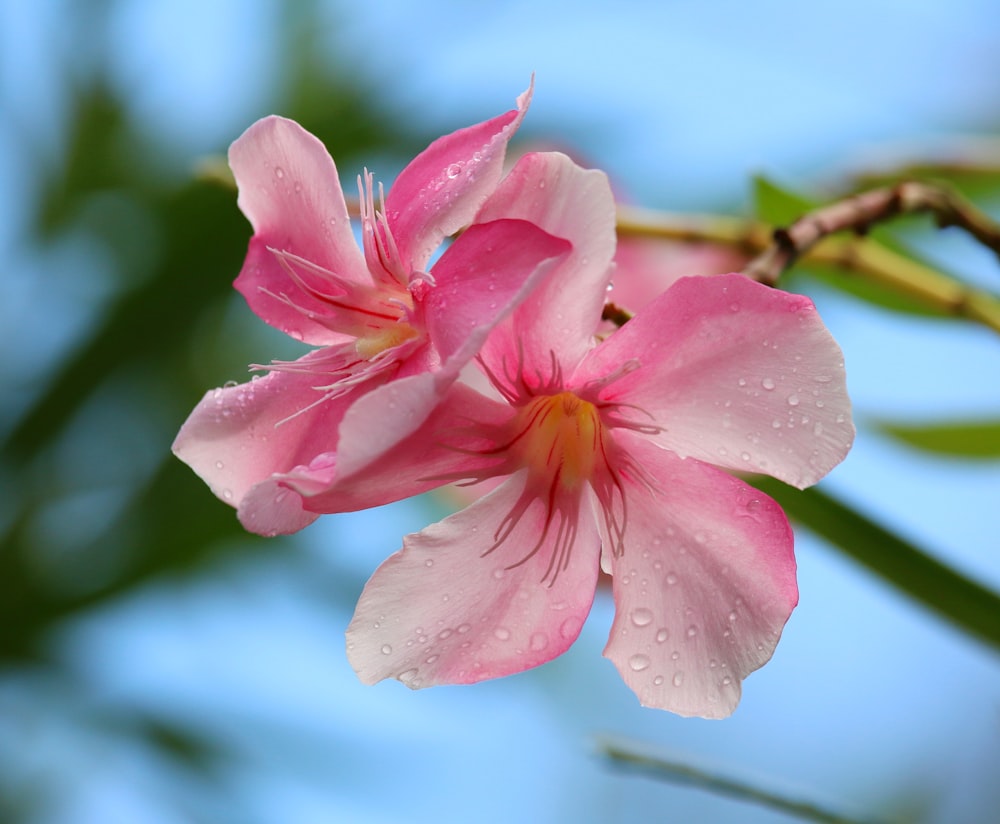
x=159, y=665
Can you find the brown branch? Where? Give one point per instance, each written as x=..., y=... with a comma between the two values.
x=859, y=213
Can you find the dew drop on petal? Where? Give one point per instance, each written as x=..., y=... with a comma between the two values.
x=502, y=633
x=692, y=631
x=638, y=662
x=678, y=679
x=386, y=649
x=662, y=635
x=671, y=578
x=570, y=628
x=454, y=170
x=793, y=400
x=279, y=172
x=227, y=494
x=539, y=641
x=642, y=617
x=768, y=384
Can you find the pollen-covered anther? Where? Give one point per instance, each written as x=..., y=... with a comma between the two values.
x=560, y=437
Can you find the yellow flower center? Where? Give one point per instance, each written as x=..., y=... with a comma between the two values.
x=560, y=437
x=383, y=338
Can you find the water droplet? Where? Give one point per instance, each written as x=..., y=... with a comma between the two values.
x=502, y=633
x=692, y=631
x=768, y=384
x=727, y=681
x=428, y=563
x=219, y=464
x=539, y=641
x=675, y=655
x=817, y=429
x=658, y=680
x=642, y=617
x=463, y=628
x=678, y=679
x=793, y=400
x=279, y=172
x=638, y=662
x=570, y=628
x=431, y=659
x=671, y=578
x=444, y=634
x=454, y=170
x=745, y=456
x=662, y=635
x=386, y=649
x=227, y=494
x=742, y=382
x=498, y=573
x=408, y=676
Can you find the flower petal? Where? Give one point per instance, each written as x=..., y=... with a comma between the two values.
x=448, y=610
x=290, y=193
x=237, y=436
x=645, y=267
x=383, y=458
x=482, y=276
x=558, y=320
x=736, y=374
x=442, y=188
x=705, y=585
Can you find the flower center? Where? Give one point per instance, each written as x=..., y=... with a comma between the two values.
x=383, y=338
x=560, y=437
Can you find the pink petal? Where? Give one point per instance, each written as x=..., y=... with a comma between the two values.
x=238, y=436
x=737, y=374
x=443, y=611
x=383, y=457
x=482, y=276
x=290, y=193
x=442, y=188
x=559, y=318
x=645, y=267
x=704, y=588
x=275, y=506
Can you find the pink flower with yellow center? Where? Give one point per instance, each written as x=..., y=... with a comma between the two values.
x=616, y=456
x=377, y=315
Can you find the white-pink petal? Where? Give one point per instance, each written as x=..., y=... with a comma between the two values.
x=704, y=588
x=735, y=374
x=445, y=610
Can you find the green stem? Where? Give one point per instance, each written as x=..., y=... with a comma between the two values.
x=629, y=757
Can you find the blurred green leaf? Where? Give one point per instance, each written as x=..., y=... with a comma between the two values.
x=960, y=439
x=636, y=757
x=777, y=205
x=967, y=604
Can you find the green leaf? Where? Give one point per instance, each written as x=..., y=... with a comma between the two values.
x=967, y=604
x=776, y=205
x=963, y=439
x=634, y=756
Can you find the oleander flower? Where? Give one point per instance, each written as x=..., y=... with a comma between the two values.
x=615, y=456
x=376, y=316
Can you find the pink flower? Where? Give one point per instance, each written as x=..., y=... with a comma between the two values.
x=613, y=456
x=376, y=317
